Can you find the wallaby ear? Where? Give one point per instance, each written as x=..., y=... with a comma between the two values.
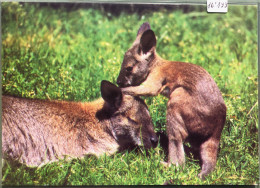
x=144, y=27
x=147, y=41
x=111, y=93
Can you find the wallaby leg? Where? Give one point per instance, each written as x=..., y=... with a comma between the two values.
x=176, y=134
x=176, y=129
x=208, y=152
x=176, y=152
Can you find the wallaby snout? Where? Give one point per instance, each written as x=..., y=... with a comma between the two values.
x=122, y=83
x=154, y=141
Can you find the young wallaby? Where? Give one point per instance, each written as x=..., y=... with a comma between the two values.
x=35, y=132
x=196, y=111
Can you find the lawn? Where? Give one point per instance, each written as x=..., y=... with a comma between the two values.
x=63, y=51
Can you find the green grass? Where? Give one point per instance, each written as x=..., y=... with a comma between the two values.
x=64, y=53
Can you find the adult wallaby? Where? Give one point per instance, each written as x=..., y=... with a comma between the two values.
x=196, y=111
x=35, y=132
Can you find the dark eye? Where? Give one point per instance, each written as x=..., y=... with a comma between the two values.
x=129, y=69
x=131, y=120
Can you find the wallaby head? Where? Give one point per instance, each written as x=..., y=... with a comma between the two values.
x=131, y=123
x=137, y=60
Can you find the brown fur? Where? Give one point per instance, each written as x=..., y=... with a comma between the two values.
x=35, y=132
x=195, y=111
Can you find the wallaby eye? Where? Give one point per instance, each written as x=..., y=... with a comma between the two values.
x=129, y=69
x=131, y=120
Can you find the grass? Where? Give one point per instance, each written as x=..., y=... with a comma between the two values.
x=63, y=52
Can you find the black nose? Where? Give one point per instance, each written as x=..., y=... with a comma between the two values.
x=121, y=84
x=119, y=81
x=154, y=140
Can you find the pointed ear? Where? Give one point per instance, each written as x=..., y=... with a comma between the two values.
x=144, y=27
x=111, y=94
x=147, y=41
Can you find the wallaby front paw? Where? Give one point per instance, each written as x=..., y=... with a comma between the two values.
x=126, y=91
